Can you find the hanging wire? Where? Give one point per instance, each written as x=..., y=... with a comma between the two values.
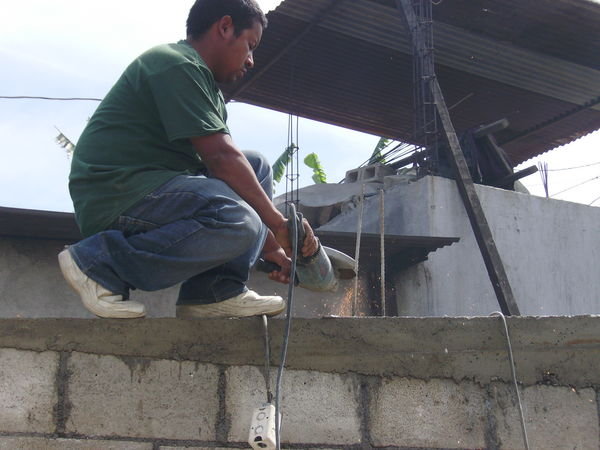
x=267, y=348
x=594, y=201
x=576, y=167
x=66, y=99
x=514, y=377
x=291, y=172
x=382, y=249
x=361, y=202
x=399, y=151
x=577, y=185
x=288, y=326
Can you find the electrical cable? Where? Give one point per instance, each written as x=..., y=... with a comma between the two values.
x=576, y=167
x=382, y=249
x=361, y=201
x=594, y=201
x=514, y=377
x=30, y=97
x=267, y=373
x=577, y=185
x=288, y=324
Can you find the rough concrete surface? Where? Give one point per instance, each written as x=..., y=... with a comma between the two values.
x=32, y=286
x=555, y=417
x=548, y=248
x=568, y=348
x=143, y=398
x=25, y=443
x=194, y=448
x=434, y=413
x=28, y=392
x=318, y=408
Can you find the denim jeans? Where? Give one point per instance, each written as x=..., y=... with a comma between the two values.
x=192, y=229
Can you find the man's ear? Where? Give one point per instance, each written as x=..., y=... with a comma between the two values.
x=225, y=26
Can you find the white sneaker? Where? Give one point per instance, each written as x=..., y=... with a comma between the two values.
x=95, y=298
x=246, y=304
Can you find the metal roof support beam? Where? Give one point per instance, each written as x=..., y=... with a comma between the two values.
x=466, y=187
x=317, y=19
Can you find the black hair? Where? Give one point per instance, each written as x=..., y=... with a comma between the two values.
x=204, y=13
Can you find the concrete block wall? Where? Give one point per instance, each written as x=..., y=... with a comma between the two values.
x=75, y=400
x=32, y=286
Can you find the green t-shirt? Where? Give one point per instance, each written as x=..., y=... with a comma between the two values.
x=138, y=138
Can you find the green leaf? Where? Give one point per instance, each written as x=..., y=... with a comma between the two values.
x=282, y=162
x=376, y=157
x=312, y=161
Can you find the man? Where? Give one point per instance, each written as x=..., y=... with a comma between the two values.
x=162, y=193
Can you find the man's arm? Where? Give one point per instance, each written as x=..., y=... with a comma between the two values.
x=226, y=162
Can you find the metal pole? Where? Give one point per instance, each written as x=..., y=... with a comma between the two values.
x=361, y=203
x=466, y=187
x=382, y=249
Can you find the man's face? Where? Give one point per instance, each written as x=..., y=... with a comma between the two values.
x=237, y=56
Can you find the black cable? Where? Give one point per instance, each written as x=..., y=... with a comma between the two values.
x=514, y=378
x=288, y=323
x=576, y=167
x=594, y=201
x=28, y=97
x=577, y=185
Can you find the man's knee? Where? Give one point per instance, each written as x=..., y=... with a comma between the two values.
x=259, y=163
x=250, y=226
x=262, y=169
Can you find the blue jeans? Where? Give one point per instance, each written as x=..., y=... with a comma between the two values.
x=192, y=229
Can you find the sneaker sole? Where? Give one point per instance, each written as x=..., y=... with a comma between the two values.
x=67, y=267
x=223, y=311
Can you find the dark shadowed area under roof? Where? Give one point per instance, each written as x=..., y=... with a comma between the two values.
x=348, y=62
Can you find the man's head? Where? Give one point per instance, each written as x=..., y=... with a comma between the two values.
x=204, y=13
x=225, y=33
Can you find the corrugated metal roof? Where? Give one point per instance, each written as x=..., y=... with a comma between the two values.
x=535, y=63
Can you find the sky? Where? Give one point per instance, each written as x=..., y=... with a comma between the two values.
x=69, y=48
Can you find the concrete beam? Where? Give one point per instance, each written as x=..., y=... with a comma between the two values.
x=555, y=350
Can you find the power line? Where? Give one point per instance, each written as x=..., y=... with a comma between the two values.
x=31, y=97
x=576, y=167
x=594, y=201
x=578, y=184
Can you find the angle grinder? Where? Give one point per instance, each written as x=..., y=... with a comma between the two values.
x=319, y=272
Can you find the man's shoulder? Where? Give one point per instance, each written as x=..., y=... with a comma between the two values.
x=165, y=56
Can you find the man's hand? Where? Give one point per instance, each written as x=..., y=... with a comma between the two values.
x=278, y=257
x=310, y=246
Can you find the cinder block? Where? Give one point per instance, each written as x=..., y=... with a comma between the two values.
x=220, y=448
x=195, y=448
x=28, y=391
x=224, y=448
x=24, y=443
x=408, y=412
x=111, y=396
x=556, y=417
x=317, y=408
x=375, y=173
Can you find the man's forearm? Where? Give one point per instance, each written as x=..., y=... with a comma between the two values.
x=230, y=165
x=239, y=176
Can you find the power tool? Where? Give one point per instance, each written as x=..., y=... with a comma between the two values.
x=319, y=272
